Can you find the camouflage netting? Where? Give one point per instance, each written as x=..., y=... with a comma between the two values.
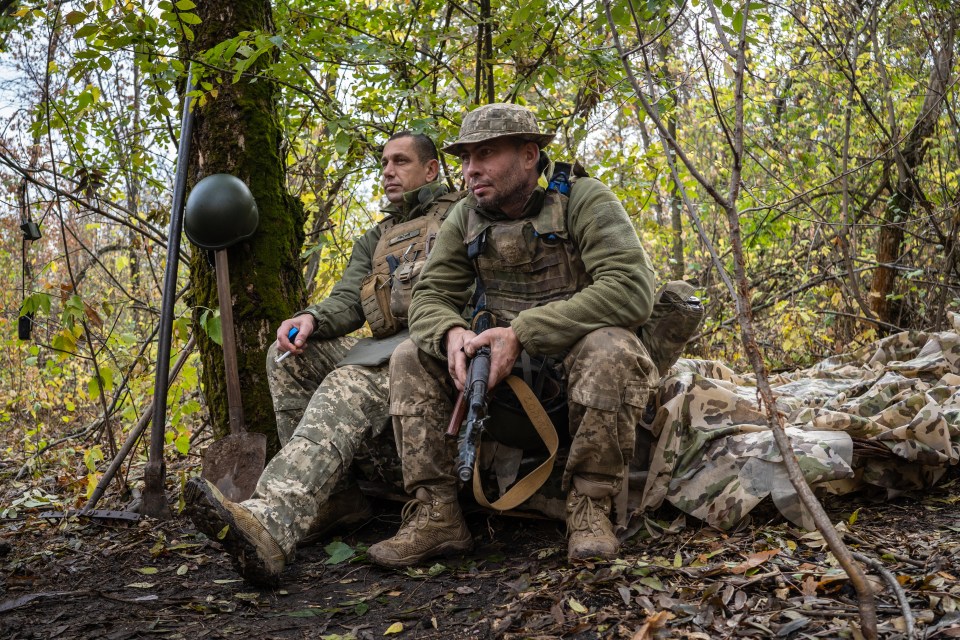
x=885, y=416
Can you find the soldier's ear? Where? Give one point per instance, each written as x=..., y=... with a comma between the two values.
x=530, y=154
x=433, y=170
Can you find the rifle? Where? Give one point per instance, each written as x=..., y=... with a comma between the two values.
x=473, y=402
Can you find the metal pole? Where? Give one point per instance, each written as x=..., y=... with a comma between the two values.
x=154, y=499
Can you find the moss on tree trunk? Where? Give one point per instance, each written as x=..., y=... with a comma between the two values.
x=238, y=133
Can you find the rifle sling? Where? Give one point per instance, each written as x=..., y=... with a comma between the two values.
x=530, y=483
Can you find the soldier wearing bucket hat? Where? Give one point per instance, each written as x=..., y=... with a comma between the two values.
x=556, y=259
x=499, y=120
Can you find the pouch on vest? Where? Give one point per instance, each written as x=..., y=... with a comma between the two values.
x=401, y=291
x=675, y=318
x=375, y=295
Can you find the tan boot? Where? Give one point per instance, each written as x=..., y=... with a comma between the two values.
x=343, y=509
x=255, y=554
x=430, y=528
x=589, y=532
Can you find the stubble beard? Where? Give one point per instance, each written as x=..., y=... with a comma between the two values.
x=510, y=190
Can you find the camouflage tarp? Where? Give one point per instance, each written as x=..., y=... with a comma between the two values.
x=886, y=415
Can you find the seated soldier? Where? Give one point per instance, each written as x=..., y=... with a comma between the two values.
x=559, y=264
x=324, y=412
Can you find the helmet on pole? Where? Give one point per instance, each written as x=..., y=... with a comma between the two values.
x=220, y=212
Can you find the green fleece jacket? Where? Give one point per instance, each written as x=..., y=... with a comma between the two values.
x=621, y=294
x=341, y=312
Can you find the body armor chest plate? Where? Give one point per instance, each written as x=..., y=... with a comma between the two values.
x=528, y=262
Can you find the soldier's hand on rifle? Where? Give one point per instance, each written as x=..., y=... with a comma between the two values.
x=304, y=323
x=457, y=360
x=504, y=350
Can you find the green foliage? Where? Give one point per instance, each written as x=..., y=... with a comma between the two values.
x=826, y=99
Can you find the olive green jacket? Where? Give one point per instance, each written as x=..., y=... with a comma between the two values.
x=621, y=294
x=341, y=312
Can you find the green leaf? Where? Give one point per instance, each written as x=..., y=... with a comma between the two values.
x=738, y=21
x=186, y=5
x=86, y=30
x=211, y=326
x=342, y=142
x=338, y=552
x=75, y=17
x=182, y=443
x=35, y=302
x=93, y=388
x=653, y=582
x=189, y=18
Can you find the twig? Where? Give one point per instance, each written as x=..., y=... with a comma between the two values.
x=898, y=591
x=868, y=613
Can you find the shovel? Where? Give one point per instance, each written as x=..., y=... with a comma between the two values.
x=233, y=463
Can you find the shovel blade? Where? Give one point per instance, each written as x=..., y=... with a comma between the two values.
x=234, y=464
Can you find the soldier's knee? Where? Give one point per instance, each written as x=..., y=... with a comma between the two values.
x=272, y=352
x=611, y=342
x=403, y=358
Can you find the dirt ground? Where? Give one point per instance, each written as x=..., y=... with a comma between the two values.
x=83, y=578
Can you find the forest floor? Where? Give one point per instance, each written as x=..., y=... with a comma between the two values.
x=116, y=579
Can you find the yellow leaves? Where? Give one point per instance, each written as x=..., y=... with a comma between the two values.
x=396, y=627
x=91, y=457
x=576, y=606
x=93, y=479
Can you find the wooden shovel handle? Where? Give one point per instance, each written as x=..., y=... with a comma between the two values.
x=231, y=370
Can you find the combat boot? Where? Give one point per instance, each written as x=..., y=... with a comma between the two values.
x=589, y=531
x=430, y=528
x=254, y=552
x=345, y=508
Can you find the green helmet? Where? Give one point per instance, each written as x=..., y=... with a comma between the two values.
x=220, y=212
x=499, y=120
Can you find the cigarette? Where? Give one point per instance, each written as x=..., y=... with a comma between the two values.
x=290, y=336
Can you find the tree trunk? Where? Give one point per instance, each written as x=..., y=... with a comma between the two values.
x=897, y=213
x=677, y=269
x=238, y=133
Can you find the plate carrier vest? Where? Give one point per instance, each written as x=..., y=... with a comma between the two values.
x=525, y=263
x=398, y=259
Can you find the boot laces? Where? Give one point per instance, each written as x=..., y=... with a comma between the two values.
x=585, y=515
x=415, y=515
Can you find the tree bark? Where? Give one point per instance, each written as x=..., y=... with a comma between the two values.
x=238, y=132
x=911, y=154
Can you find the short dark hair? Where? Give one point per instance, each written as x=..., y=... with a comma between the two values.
x=426, y=149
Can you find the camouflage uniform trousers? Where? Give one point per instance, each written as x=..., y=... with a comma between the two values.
x=294, y=381
x=349, y=407
x=609, y=376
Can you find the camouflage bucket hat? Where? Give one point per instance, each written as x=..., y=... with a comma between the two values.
x=499, y=120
